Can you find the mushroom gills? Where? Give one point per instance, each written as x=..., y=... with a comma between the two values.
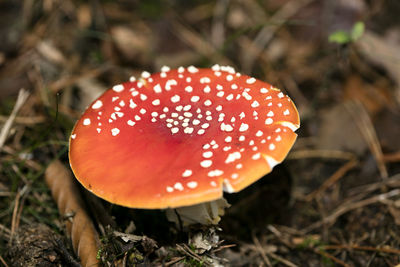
x=206, y=213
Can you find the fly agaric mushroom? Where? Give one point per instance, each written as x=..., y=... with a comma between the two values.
x=181, y=137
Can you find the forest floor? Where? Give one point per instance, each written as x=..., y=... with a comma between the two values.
x=335, y=201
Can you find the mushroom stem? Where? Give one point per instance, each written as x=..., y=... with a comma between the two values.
x=204, y=213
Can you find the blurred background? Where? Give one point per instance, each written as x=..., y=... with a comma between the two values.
x=335, y=201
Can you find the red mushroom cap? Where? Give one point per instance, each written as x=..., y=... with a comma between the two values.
x=181, y=137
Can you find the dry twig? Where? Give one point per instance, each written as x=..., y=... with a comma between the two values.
x=346, y=207
x=332, y=180
x=365, y=248
x=22, y=97
x=261, y=251
x=320, y=153
x=79, y=226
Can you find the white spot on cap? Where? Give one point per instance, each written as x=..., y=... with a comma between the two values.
x=270, y=113
x=130, y=122
x=187, y=173
x=207, y=102
x=118, y=88
x=256, y=156
x=205, y=125
x=269, y=121
x=229, y=77
x=174, y=130
x=259, y=133
x=263, y=90
x=206, y=163
x=132, y=104
x=226, y=127
x=215, y=67
x=214, y=173
x=250, y=80
x=271, y=147
x=205, y=80
x=286, y=112
x=220, y=94
x=281, y=95
x=178, y=186
x=243, y=127
x=156, y=102
x=165, y=68
x=229, y=97
x=169, y=83
x=157, y=88
x=206, y=89
x=213, y=183
x=232, y=157
x=207, y=154
x=188, y=130
x=175, y=98
x=98, y=104
x=201, y=131
x=143, y=97
x=192, y=69
x=195, y=98
x=255, y=104
x=86, y=122
x=192, y=184
x=169, y=189
x=115, y=131
x=73, y=136
x=189, y=89
x=145, y=74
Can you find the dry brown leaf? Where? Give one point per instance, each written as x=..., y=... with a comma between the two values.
x=332, y=135
x=80, y=228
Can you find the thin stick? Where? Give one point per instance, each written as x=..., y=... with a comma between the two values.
x=327, y=255
x=365, y=248
x=332, y=180
x=22, y=97
x=346, y=207
x=14, y=216
x=392, y=157
x=261, y=251
x=282, y=260
x=320, y=153
x=3, y=261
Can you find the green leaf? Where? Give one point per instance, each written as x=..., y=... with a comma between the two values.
x=357, y=31
x=340, y=37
